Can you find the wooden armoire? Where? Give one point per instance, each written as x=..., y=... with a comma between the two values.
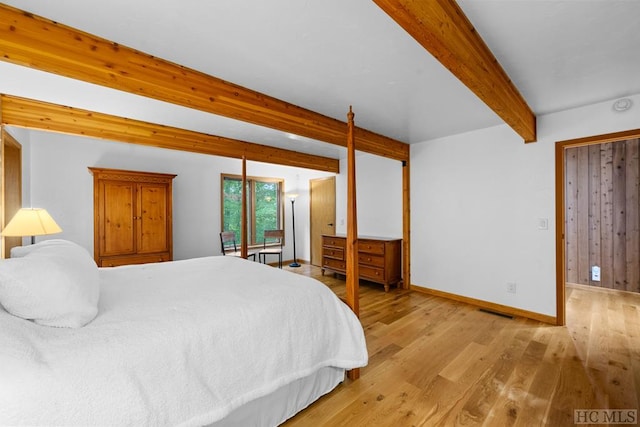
x=132, y=217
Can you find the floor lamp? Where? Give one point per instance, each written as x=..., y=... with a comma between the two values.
x=293, y=221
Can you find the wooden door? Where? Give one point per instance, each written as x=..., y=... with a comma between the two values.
x=153, y=218
x=322, y=193
x=12, y=186
x=117, y=201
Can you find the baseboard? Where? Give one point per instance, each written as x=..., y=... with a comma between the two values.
x=499, y=308
x=599, y=289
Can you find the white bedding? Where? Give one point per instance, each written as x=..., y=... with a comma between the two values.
x=181, y=343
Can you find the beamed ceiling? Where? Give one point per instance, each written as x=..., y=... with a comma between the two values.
x=283, y=73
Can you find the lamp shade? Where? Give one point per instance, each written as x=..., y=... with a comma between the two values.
x=31, y=222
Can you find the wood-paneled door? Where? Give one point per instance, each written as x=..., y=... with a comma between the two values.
x=153, y=211
x=11, y=186
x=116, y=212
x=322, y=194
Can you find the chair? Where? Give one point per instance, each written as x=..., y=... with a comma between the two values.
x=274, y=238
x=228, y=242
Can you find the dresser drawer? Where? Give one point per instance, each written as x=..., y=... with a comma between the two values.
x=374, y=274
x=333, y=241
x=379, y=259
x=369, y=259
x=334, y=253
x=135, y=259
x=334, y=264
x=371, y=247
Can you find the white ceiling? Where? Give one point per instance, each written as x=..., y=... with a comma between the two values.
x=325, y=55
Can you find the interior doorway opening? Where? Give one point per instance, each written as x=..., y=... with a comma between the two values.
x=11, y=160
x=594, y=178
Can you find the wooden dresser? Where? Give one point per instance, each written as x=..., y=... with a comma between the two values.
x=132, y=217
x=379, y=258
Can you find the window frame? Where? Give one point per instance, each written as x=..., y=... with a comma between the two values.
x=251, y=203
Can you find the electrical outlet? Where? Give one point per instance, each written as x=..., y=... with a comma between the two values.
x=511, y=287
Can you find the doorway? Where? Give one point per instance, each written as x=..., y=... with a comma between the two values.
x=322, y=195
x=11, y=187
x=618, y=211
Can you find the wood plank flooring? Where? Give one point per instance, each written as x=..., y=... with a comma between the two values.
x=436, y=362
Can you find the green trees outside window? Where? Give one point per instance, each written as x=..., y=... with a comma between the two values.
x=264, y=206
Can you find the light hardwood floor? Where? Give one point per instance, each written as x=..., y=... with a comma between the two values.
x=433, y=361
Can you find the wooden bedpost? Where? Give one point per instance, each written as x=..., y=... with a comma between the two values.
x=406, y=225
x=244, y=252
x=353, y=285
x=352, y=221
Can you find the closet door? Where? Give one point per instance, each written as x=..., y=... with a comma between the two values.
x=117, y=203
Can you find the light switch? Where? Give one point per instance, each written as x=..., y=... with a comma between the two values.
x=543, y=223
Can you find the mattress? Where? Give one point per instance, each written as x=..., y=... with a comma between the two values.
x=181, y=343
x=277, y=407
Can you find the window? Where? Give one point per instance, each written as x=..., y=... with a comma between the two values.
x=265, y=206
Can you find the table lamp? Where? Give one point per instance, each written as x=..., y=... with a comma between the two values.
x=31, y=222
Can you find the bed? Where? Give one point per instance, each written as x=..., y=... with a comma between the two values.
x=206, y=341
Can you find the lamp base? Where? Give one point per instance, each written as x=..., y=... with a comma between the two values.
x=294, y=264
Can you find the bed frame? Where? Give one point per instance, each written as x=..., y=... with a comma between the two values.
x=352, y=282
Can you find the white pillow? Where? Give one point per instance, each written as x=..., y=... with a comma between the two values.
x=53, y=283
x=20, y=251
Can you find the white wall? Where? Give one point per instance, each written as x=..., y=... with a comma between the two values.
x=379, y=196
x=61, y=183
x=476, y=200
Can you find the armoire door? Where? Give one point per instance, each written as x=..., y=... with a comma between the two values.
x=117, y=211
x=153, y=217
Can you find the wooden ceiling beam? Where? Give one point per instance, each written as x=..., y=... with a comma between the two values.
x=442, y=28
x=28, y=113
x=42, y=44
